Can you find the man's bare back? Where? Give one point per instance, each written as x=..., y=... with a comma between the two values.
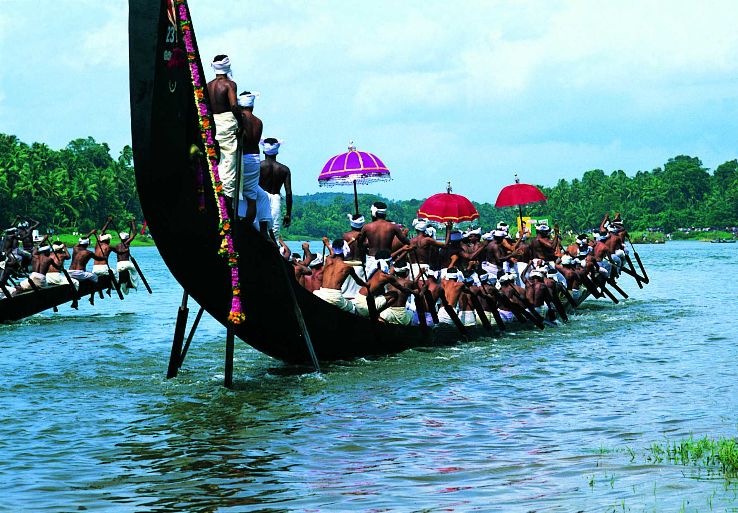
x=378, y=235
x=274, y=175
x=252, y=129
x=222, y=92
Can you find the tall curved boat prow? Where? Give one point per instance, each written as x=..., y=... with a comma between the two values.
x=165, y=128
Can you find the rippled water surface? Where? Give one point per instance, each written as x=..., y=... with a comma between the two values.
x=553, y=421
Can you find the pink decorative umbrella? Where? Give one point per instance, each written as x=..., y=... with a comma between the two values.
x=517, y=195
x=447, y=207
x=353, y=167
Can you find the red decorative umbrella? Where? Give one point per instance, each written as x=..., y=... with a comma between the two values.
x=445, y=207
x=517, y=195
x=353, y=167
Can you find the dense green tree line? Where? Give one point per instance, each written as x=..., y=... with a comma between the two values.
x=74, y=188
x=70, y=189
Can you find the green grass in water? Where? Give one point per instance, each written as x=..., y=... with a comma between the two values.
x=720, y=454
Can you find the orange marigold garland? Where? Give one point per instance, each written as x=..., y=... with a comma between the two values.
x=227, y=249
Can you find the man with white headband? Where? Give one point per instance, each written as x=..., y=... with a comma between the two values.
x=102, y=251
x=40, y=263
x=274, y=175
x=542, y=246
x=227, y=116
x=250, y=160
x=425, y=248
x=123, y=251
x=352, y=252
x=335, y=273
x=398, y=292
x=81, y=254
x=55, y=275
x=378, y=236
x=451, y=287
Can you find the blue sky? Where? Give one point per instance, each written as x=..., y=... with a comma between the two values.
x=548, y=89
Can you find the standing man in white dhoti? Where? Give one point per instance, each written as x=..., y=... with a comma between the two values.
x=251, y=159
x=227, y=116
x=273, y=175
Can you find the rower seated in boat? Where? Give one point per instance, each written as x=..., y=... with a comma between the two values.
x=452, y=285
x=40, y=263
x=335, y=273
x=398, y=291
x=123, y=251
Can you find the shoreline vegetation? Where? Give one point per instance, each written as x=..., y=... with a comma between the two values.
x=681, y=201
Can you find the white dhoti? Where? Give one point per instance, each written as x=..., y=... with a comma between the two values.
x=506, y=316
x=489, y=316
x=9, y=289
x=132, y=282
x=100, y=270
x=82, y=275
x=60, y=279
x=444, y=317
x=490, y=268
x=275, y=202
x=226, y=128
x=397, y=315
x=350, y=289
x=263, y=209
x=38, y=279
x=371, y=265
x=250, y=172
x=361, y=306
x=334, y=297
x=468, y=317
x=416, y=269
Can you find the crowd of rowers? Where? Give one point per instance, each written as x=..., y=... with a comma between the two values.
x=30, y=262
x=378, y=269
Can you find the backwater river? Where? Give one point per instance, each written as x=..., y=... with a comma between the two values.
x=559, y=420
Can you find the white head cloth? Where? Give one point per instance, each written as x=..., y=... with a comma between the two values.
x=271, y=148
x=84, y=241
x=499, y=233
x=37, y=238
x=123, y=235
x=502, y=225
x=476, y=231
x=316, y=261
x=420, y=226
x=543, y=228
x=430, y=231
x=247, y=99
x=452, y=276
x=376, y=211
x=339, y=251
x=57, y=247
x=566, y=260
x=487, y=236
x=223, y=67
x=356, y=223
x=45, y=248
x=105, y=237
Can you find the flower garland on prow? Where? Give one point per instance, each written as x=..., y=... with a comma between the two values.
x=227, y=249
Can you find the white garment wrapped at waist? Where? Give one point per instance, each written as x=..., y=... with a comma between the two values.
x=397, y=315
x=60, y=279
x=361, y=304
x=250, y=173
x=334, y=297
x=132, y=282
x=226, y=128
x=100, y=270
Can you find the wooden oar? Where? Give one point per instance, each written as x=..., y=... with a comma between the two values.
x=567, y=295
x=531, y=310
x=640, y=264
x=558, y=305
x=421, y=311
x=480, y=312
x=614, y=285
x=630, y=270
x=141, y=274
x=452, y=314
x=495, y=312
x=75, y=294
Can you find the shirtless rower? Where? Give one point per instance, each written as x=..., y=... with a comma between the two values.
x=466, y=311
x=314, y=279
x=274, y=175
x=567, y=268
x=378, y=236
x=357, y=222
x=81, y=254
x=542, y=246
x=335, y=273
x=227, y=116
x=40, y=263
x=425, y=247
x=123, y=250
x=398, y=292
x=376, y=286
x=450, y=255
x=250, y=160
x=55, y=275
x=452, y=286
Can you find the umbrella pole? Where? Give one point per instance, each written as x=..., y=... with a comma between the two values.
x=522, y=227
x=356, y=200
